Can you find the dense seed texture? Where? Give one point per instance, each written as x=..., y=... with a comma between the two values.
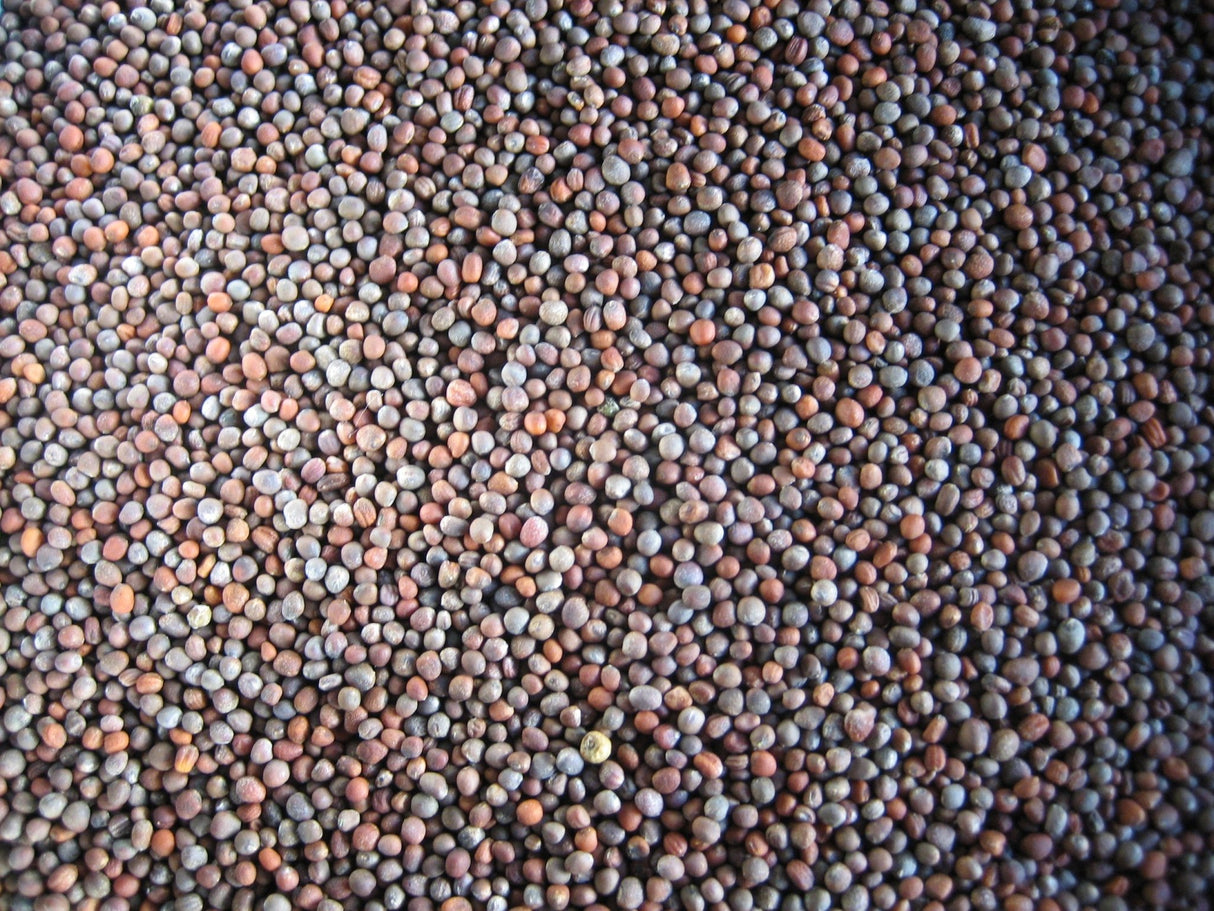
x=595, y=454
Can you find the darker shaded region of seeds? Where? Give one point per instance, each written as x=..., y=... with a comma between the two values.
x=593, y=455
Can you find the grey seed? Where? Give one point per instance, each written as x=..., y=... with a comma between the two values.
x=1032, y=565
x=645, y=698
x=1071, y=635
x=1004, y=745
x=295, y=238
x=616, y=171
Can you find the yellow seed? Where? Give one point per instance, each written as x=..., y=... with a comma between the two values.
x=596, y=747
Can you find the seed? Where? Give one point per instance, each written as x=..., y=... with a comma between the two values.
x=595, y=747
x=530, y=812
x=122, y=599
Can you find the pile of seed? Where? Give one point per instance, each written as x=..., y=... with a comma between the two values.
x=605, y=454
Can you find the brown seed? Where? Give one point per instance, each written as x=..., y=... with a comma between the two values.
x=62, y=878
x=849, y=413
x=530, y=812
x=678, y=178
x=968, y=370
x=461, y=393
x=122, y=599
x=1066, y=591
x=54, y=736
x=249, y=790
x=783, y=240
x=702, y=332
x=762, y=764
x=1018, y=216
x=534, y=532
x=859, y=722
x=382, y=270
